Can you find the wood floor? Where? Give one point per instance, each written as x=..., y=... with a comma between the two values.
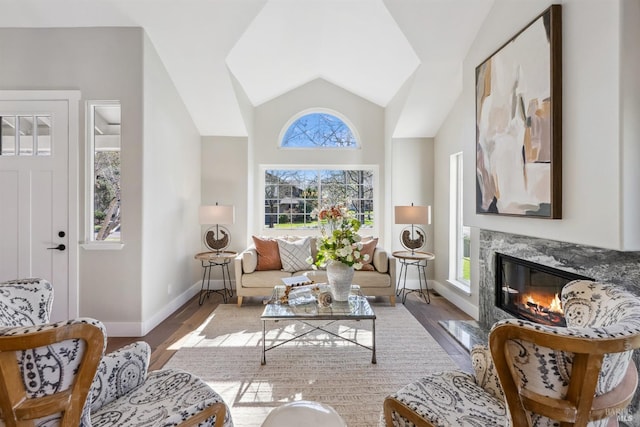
x=163, y=338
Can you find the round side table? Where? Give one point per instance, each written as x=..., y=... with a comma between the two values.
x=212, y=259
x=419, y=260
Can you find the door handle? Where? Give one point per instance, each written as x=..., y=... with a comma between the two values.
x=60, y=247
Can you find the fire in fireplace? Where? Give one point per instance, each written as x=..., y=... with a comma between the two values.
x=531, y=291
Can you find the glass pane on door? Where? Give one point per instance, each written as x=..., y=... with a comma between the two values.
x=44, y=135
x=8, y=136
x=25, y=135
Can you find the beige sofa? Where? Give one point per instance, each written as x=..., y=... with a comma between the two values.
x=250, y=282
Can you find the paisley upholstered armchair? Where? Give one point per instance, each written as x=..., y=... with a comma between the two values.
x=57, y=374
x=531, y=374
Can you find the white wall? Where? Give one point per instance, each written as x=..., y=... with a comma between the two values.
x=270, y=118
x=171, y=196
x=248, y=113
x=412, y=182
x=594, y=194
x=131, y=289
x=231, y=165
x=225, y=180
x=104, y=64
x=590, y=123
x=453, y=138
x=392, y=114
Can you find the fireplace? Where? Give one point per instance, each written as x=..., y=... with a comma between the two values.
x=603, y=265
x=531, y=291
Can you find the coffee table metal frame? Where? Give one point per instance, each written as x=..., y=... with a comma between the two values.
x=357, y=308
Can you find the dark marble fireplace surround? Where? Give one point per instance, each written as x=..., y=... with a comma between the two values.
x=603, y=265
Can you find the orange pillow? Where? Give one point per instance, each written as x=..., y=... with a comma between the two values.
x=268, y=254
x=367, y=249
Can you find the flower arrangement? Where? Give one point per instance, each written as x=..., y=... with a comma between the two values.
x=339, y=240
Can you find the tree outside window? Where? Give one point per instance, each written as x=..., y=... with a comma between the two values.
x=106, y=194
x=319, y=130
x=292, y=195
x=103, y=156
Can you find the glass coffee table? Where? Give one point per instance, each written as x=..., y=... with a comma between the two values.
x=357, y=308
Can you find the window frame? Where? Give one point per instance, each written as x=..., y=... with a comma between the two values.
x=456, y=224
x=373, y=230
x=328, y=111
x=90, y=243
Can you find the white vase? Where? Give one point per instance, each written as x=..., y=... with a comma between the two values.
x=340, y=277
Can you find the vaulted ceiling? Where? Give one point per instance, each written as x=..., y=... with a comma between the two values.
x=371, y=48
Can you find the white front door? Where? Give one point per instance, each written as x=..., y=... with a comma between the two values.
x=34, y=195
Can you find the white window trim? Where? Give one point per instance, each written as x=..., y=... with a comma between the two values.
x=89, y=243
x=455, y=222
x=460, y=286
x=375, y=230
x=102, y=246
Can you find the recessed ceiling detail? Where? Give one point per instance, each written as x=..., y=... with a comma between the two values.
x=353, y=44
x=380, y=50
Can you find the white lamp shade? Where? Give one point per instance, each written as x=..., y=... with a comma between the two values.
x=218, y=214
x=413, y=214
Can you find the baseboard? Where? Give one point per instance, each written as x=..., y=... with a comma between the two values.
x=140, y=329
x=124, y=329
x=171, y=307
x=455, y=299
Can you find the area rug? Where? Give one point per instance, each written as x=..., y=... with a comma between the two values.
x=226, y=352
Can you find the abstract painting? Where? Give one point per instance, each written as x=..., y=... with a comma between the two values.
x=519, y=123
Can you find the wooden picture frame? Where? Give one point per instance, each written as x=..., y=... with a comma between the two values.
x=519, y=123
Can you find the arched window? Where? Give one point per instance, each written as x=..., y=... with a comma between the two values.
x=319, y=130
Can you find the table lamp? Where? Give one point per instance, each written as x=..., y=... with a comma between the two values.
x=413, y=237
x=217, y=238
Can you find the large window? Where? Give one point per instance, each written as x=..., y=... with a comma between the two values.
x=319, y=130
x=103, y=171
x=291, y=195
x=459, y=235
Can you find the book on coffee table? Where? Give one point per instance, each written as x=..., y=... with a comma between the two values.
x=296, y=281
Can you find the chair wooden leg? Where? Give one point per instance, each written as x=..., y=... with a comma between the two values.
x=392, y=300
x=239, y=301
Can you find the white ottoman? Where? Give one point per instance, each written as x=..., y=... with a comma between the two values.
x=313, y=413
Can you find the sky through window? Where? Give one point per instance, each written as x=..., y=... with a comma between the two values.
x=319, y=130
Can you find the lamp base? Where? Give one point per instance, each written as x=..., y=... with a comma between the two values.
x=217, y=238
x=413, y=238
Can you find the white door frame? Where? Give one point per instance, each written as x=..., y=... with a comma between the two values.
x=72, y=97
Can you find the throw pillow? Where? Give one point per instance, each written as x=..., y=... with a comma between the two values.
x=249, y=260
x=367, y=249
x=381, y=261
x=294, y=254
x=268, y=254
